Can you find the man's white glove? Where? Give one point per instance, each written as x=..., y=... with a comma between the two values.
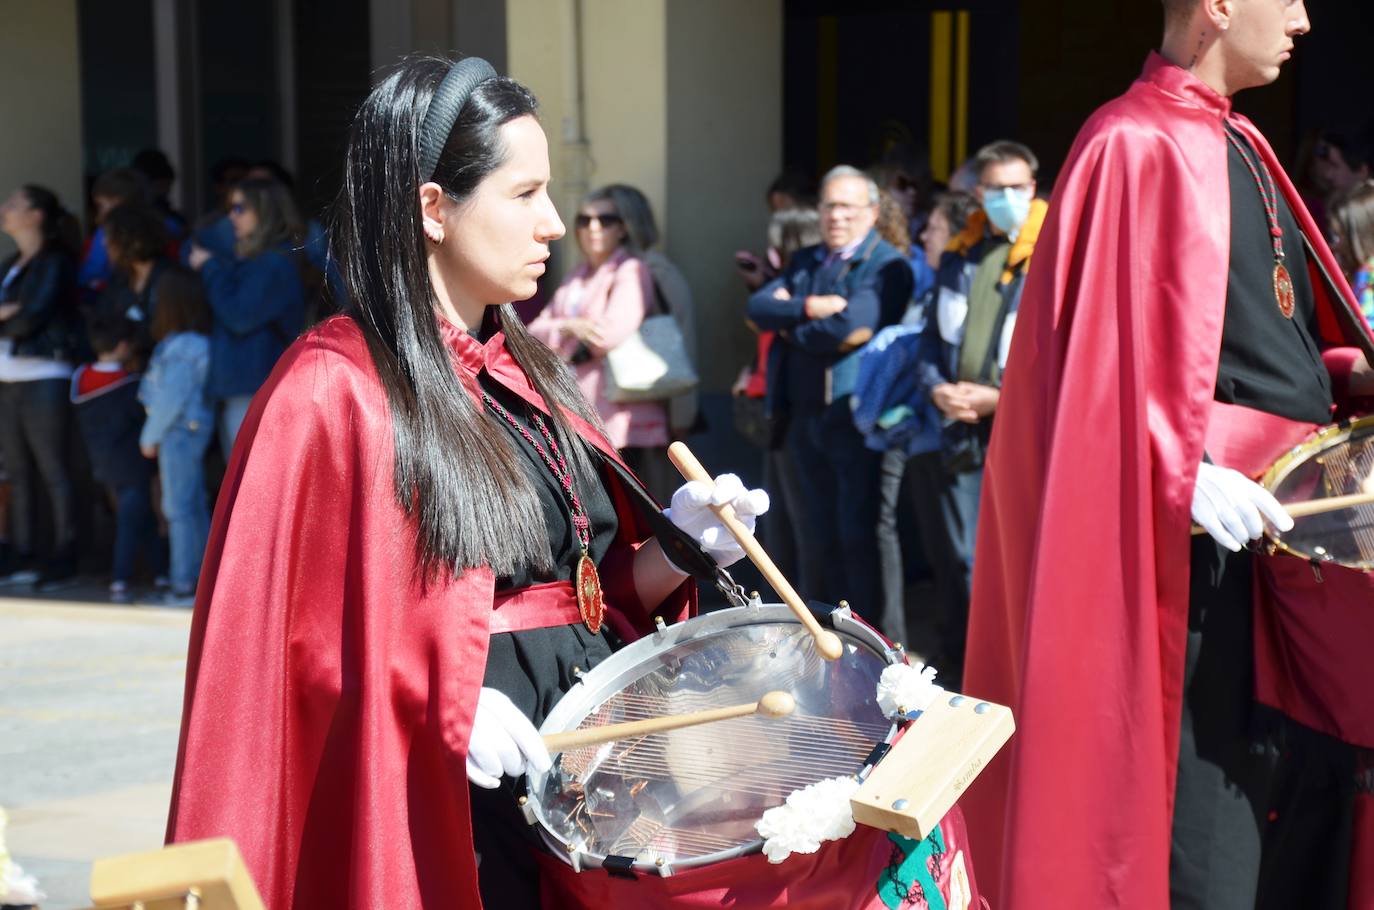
x=1232, y=508
x=503, y=741
x=691, y=511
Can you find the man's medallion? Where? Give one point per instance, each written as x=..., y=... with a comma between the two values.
x=1283, y=289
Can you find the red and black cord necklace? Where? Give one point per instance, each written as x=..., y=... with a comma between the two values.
x=586, y=581
x=1269, y=196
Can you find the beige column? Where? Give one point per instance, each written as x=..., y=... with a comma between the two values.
x=724, y=145
x=681, y=98
x=40, y=114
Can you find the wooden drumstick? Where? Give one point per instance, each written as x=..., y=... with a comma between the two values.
x=1318, y=506
x=773, y=704
x=827, y=643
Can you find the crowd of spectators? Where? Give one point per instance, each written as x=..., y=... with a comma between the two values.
x=129, y=358
x=881, y=338
x=884, y=307
x=121, y=354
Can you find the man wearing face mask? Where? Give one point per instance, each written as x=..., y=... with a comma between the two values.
x=977, y=293
x=1193, y=723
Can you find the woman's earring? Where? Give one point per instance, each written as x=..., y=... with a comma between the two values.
x=434, y=235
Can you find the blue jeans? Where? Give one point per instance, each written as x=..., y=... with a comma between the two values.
x=33, y=440
x=960, y=493
x=135, y=530
x=232, y=410
x=180, y=461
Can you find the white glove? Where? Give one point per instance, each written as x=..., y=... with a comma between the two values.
x=503, y=741
x=1232, y=508
x=691, y=511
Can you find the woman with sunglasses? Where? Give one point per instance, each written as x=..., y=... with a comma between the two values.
x=601, y=303
x=257, y=298
x=387, y=607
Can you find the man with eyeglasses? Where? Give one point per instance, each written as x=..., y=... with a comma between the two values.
x=831, y=299
x=1192, y=714
x=977, y=293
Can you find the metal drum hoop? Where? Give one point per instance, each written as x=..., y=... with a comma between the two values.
x=1320, y=441
x=636, y=660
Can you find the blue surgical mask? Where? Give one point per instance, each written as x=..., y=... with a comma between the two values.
x=1007, y=209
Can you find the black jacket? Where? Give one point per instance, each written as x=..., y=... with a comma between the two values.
x=48, y=324
x=111, y=419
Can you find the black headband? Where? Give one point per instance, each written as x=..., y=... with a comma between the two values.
x=448, y=101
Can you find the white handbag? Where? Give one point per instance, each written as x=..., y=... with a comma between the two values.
x=651, y=365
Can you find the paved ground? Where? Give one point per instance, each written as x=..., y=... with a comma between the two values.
x=90, y=704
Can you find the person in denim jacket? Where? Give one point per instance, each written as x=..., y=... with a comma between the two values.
x=180, y=420
x=257, y=298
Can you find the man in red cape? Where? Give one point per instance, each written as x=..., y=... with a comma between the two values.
x=1081, y=599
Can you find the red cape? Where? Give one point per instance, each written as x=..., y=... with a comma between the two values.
x=329, y=699
x=1080, y=596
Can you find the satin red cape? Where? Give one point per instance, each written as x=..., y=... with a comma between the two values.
x=1080, y=596
x=329, y=697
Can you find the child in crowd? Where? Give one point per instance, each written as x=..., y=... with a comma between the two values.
x=180, y=421
x=105, y=394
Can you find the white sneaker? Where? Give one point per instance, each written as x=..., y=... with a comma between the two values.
x=22, y=577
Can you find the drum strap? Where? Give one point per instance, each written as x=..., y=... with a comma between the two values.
x=1248, y=440
x=544, y=606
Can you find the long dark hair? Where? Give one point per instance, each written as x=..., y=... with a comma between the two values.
x=59, y=226
x=457, y=472
x=136, y=233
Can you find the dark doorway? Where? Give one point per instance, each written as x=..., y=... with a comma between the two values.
x=860, y=81
x=332, y=78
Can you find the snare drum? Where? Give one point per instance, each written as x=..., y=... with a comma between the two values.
x=1337, y=461
x=691, y=797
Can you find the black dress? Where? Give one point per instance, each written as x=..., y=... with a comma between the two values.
x=534, y=668
x=1236, y=819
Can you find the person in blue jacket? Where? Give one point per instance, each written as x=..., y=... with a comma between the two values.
x=325, y=293
x=179, y=423
x=256, y=297
x=831, y=299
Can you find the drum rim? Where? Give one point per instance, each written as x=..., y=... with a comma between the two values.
x=1278, y=472
x=842, y=620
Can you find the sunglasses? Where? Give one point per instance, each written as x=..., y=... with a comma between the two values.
x=583, y=221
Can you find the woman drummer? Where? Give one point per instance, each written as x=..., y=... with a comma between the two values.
x=403, y=573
